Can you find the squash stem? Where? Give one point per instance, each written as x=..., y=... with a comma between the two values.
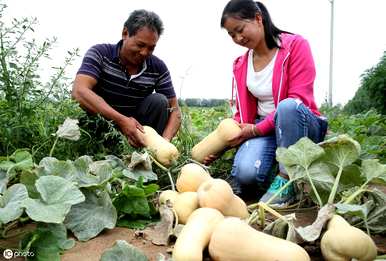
x=164, y=169
x=252, y=218
x=261, y=216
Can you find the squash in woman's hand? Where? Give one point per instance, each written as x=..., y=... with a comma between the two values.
x=217, y=140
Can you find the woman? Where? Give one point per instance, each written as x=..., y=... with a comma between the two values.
x=275, y=106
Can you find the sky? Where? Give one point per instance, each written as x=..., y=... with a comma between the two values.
x=199, y=54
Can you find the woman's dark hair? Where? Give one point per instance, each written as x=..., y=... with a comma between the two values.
x=143, y=18
x=247, y=9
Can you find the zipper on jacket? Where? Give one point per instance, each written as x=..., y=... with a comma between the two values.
x=281, y=77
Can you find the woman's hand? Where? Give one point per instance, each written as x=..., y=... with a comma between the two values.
x=209, y=159
x=248, y=131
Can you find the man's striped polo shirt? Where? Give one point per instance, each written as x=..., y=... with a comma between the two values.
x=120, y=90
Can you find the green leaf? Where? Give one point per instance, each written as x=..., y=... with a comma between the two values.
x=83, y=171
x=57, y=197
x=374, y=171
x=351, y=177
x=341, y=151
x=376, y=220
x=87, y=219
x=123, y=251
x=54, y=167
x=28, y=179
x=47, y=242
x=134, y=224
x=3, y=181
x=11, y=207
x=302, y=153
x=132, y=205
x=19, y=160
x=355, y=210
x=322, y=179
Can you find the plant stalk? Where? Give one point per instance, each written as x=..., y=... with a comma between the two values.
x=314, y=188
x=166, y=170
x=335, y=187
x=53, y=146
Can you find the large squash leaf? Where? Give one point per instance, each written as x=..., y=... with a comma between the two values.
x=11, y=206
x=57, y=195
x=87, y=219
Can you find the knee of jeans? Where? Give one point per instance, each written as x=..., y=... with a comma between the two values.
x=246, y=174
x=289, y=105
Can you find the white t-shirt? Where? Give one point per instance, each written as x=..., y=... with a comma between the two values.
x=260, y=85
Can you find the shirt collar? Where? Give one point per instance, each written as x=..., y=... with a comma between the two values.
x=117, y=60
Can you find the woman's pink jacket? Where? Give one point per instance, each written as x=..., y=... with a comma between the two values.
x=293, y=77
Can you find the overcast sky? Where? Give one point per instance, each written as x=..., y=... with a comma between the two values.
x=199, y=53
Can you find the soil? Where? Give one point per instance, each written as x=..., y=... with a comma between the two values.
x=92, y=249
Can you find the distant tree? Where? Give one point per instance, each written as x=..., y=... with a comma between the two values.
x=372, y=92
x=199, y=102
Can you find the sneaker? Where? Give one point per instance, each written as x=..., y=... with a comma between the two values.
x=285, y=198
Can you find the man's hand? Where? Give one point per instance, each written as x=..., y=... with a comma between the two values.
x=247, y=131
x=129, y=127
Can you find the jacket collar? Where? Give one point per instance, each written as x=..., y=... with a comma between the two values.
x=285, y=45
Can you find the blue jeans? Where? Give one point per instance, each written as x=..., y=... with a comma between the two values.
x=252, y=166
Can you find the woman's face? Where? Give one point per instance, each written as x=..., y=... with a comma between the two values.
x=247, y=33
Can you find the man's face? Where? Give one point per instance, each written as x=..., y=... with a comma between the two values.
x=136, y=48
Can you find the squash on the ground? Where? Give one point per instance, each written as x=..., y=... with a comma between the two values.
x=235, y=240
x=164, y=151
x=218, y=194
x=184, y=205
x=195, y=235
x=217, y=140
x=168, y=195
x=191, y=176
x=342, y=242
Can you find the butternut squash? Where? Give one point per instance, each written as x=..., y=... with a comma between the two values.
x=195, y=235
x=236, y=208
x=342, y=242
x=218, y=194
x=191, y=177
x=167, y=195
x=234, y=240
x=164, y=151
x=217, y=140
x=184, y=205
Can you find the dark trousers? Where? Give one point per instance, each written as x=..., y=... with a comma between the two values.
x=153, y=112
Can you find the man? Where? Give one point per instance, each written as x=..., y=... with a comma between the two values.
x=125, y=83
